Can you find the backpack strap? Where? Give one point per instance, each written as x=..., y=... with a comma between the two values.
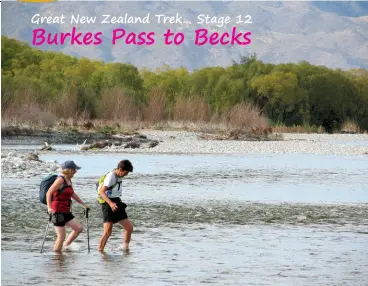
x=116, y=182
x=62, y=187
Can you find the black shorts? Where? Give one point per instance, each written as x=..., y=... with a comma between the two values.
x=118, y=215
x=60, y=219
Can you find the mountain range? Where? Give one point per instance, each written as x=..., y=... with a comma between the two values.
x=333, y=34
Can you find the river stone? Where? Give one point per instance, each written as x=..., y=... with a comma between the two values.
x=31, y=156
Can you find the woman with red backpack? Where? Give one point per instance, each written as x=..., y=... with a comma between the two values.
x=59, y=201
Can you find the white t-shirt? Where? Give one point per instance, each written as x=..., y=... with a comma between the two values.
x=110, y=180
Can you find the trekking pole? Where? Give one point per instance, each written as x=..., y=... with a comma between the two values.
x=86, y=214
x=47, y=229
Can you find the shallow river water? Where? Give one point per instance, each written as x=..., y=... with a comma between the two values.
x=218, y=219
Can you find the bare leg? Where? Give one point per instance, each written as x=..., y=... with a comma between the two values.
x=60, y=231
x=77, y=229
x=128, y=226
x=105, y=236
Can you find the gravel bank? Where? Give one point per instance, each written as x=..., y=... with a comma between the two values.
x=25, y=166
x=325, y=144
x=183, y=142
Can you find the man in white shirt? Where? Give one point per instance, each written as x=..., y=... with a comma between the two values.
x=113, y=209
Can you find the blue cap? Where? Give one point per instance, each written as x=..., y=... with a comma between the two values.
x=69, y=165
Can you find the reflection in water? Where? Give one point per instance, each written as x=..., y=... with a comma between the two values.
x=116, y=255
x=106, y=257
x=59, y=261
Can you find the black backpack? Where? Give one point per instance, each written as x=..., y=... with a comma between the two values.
x=45, y=185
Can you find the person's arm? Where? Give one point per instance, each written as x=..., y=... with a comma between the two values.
x=54, y=188
x=112, y=205
x=77, y=199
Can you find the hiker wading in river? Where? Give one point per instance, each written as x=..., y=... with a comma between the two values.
x=113, y=209
x=59, y=202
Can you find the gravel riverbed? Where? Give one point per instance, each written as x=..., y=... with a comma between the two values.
x=324, y=144
x=19, y=164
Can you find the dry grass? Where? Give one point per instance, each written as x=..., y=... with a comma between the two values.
x=155, y=110
x=118, y=126
x=116, y=105
x=199, y=126
x=297, y=129
x=100, y=125
x=29, y=114
x=195, y=115
x=66, y=104
x=120, y=114
x=191, y=110
x=246, y=117
x=350, y=126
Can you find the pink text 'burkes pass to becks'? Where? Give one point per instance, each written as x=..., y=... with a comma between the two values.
x=202, y=37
